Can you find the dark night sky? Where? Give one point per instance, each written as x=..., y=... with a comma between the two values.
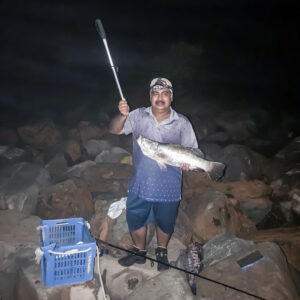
x=233, y=52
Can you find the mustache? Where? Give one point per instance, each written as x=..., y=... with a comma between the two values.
x=159, y=102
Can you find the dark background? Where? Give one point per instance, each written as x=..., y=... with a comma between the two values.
x=232, y=54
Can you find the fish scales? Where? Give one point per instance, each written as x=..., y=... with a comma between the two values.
x=176, y=155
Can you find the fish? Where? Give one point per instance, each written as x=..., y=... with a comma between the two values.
x=176, y=155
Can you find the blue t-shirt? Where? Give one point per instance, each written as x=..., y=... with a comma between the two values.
x=149, y=181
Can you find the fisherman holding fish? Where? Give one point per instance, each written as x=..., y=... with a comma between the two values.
x=155, y=188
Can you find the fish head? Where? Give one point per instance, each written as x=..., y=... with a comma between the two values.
x=148, y=147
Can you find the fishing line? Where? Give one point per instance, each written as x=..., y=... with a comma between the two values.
x=182, y=270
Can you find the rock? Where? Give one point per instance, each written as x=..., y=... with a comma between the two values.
x=122, y=140
x=295, y=195
x=40, y=135
x=114, y=155
x=108, y=179
x=78, y=169
x=211, y=150
x=94, y=147
x=193, y=180
x=241, y=163
x=291, y=152
x=268, y=278
x=30, y=286
x=20, y=185
x=274, y=168
x=67, y=199
x=183, y=230
x=108, y=171
x=126, y=279
x=285, y=191
x=223, y=246
x=287, y=238
x=12, y=155
x=19, y=239
x=253, y=197
x=73, y=150
x=57, y=166
x=127, y=160
x=137, y=279
x=159, y=287
x=213, y=213
x=89, y=131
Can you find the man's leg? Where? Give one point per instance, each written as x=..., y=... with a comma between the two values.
x=162, y=238
x=137, y=212
x=139, y=241
x=165, y=214
x=139, y=237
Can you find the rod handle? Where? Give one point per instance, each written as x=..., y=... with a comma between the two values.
x=100, y=28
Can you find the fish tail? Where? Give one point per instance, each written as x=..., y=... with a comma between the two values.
x=216, y=171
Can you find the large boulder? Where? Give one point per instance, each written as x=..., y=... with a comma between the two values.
x=19, y=239
x=20, y=185
x=223, y=246
x=67, y=199
x=291, y=152
x=287, y=238
x=72, y=150
x=30, y=286
x=253, y=197
x=12, y=155
x=138, y=280
x=213, y=213
x=285, y=192
x=89, y=131
x=78, y=169
x=268, y=278
x=159, y=287
x=57, y=166
x=108, y=179
x=40, y=135
x=114, y=155
x=241, y=163
x=94, y=147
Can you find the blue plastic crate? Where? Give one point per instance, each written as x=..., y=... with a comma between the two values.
x=69, y=251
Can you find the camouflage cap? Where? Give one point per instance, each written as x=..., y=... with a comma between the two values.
x=161, y=83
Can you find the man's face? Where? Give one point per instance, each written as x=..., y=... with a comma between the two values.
x=161, y=98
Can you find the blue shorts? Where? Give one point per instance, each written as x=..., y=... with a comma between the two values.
x=140, y=213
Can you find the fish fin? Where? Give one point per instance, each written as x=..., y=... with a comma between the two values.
x=216, y=171
x=162, y=166
x=197, y=152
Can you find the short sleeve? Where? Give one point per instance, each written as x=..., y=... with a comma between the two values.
x=130, y=122
x=188, y=137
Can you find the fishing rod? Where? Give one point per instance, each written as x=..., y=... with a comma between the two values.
x=99, y=241
x=100, y=29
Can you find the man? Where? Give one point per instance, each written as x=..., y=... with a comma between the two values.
x=154, y=195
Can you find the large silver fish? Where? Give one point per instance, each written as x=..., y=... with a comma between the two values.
x=176, y=155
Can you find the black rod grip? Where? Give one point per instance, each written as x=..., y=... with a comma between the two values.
x=100, y=28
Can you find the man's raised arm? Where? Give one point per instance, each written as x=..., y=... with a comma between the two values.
x=117, y=123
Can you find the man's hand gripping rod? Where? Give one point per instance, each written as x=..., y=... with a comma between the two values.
x=101, y=32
